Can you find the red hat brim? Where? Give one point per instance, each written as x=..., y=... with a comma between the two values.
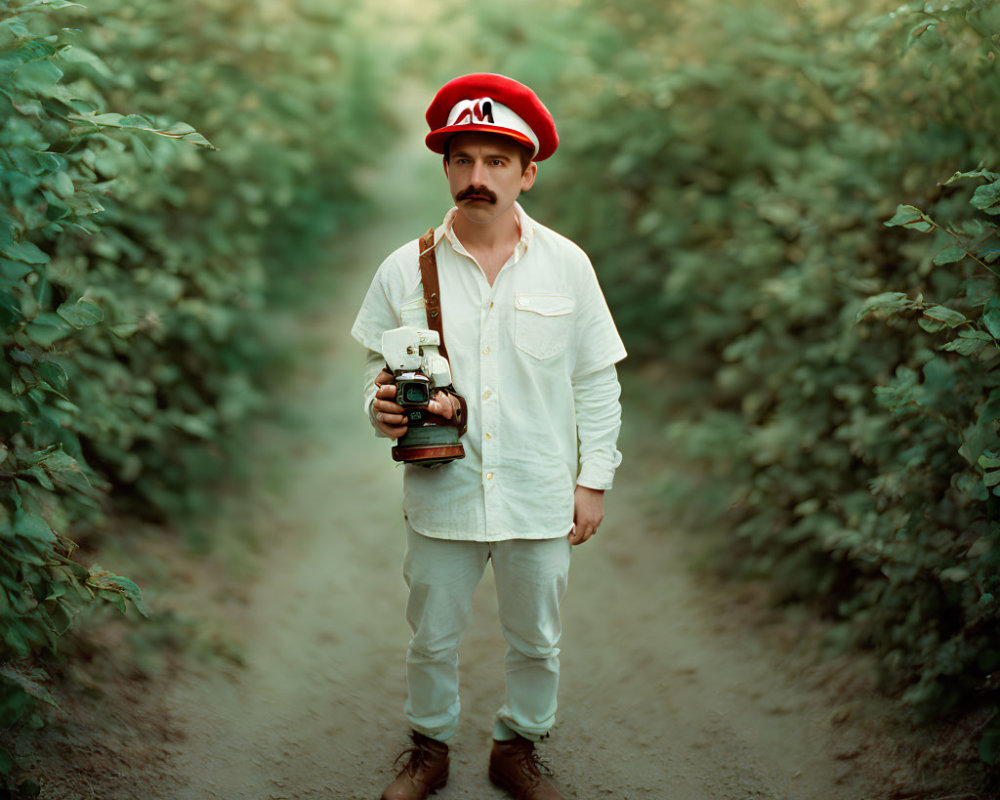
x=513, y=94
x=436, y=140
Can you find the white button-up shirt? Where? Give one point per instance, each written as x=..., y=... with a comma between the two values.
x=534, y=356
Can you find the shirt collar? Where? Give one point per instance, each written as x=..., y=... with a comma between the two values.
x=524, y=222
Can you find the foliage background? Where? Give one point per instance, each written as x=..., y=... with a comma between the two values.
x=768, y=191
x=141, y=263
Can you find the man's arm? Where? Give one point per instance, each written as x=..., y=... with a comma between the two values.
x=598, y=421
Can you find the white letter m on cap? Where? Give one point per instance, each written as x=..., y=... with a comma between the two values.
x=475, y=111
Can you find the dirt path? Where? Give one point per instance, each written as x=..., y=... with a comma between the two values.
x=663, y=694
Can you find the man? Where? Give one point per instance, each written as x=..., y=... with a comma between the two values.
x=533, y=349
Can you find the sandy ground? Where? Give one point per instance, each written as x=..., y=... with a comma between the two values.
x=668, y=691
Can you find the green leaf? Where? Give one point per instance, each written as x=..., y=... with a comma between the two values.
x=61, y=184
x=882, y=305
x=53, y=373
x=184, y=132
x=974, y=333
x=39, y=78
x=6, y=762
x=28, y=682
x=991, y=319
x=101, y=579
x=33, y=527
x=114, y=598
x=31, y=48
x=196, y=426
x=54, y=5
x=964, y=346
x=58, y=461
x=989, y=460
x=910, y=217
x=987, y=198
x=21, y=250
x=947, y=317
x=992, y=478
x=81, y=55
x=124, y=330
x=980, y=436
x=15, y=640
x=47, y=335
x=950, y=255
x=13, y=270
x=10, y=310
x=82, y=313
x=979, y=173
x=45, y=332
x=137, y=122
x=956, y=574
x=39, y=475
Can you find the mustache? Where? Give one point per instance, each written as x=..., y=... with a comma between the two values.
x=476, y=191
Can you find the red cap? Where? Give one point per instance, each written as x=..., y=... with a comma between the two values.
x=491, y=103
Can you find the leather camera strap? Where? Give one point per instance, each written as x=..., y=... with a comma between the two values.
x=432, y=304
x=432, y=292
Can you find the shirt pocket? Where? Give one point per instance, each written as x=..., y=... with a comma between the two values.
x=542, y=323
x=413, y=314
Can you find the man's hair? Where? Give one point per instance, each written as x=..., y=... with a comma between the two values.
x=523, y=152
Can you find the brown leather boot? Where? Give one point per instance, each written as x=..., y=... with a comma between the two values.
x=515, y=766
x=424, y=773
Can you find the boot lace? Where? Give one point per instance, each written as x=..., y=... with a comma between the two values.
x=418, y=755
x=533, y=763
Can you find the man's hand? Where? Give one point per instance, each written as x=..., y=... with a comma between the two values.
x=588, y=511
x=444, y=405
x=390, y=417
x=388, y=414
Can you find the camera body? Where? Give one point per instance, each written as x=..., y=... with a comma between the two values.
x=412, y=355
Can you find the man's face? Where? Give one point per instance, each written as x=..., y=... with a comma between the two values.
x=485, y=176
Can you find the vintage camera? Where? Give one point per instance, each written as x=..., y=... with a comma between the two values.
x=412, y=356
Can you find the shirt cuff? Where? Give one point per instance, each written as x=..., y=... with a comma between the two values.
x=599, y=473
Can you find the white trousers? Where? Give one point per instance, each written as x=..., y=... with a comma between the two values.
x=531, y=580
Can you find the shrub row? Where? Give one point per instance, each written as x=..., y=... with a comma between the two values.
x=793, y=208
x=137, y=260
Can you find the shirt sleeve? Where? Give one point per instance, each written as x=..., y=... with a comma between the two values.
x=598, y=421
x=375, y=316
x=599, y=344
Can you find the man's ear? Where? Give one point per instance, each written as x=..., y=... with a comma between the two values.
x=444, y=160
x=528, y=176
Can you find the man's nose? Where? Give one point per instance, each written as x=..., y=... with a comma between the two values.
x=478, y=173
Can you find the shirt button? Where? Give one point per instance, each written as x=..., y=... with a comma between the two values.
x=486, y=351
x=489, y=435
x=486, y=394
x=489, y=476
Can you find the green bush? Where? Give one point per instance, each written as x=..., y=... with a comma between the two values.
x=138, y=264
